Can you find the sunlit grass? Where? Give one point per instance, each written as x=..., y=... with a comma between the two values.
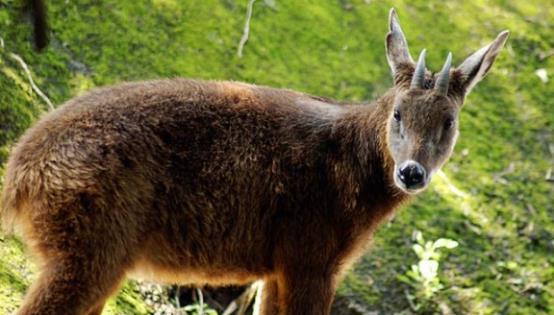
x=502, y=220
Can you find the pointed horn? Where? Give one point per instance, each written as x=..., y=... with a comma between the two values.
x=419, y=73
x=441, y=86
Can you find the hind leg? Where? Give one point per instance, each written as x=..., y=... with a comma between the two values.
x=70, y=287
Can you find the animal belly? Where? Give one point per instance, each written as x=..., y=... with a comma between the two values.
x=214, y=276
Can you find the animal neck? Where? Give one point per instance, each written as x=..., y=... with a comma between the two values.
x=363, y=150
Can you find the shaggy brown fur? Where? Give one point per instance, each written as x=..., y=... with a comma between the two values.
x=196, y=182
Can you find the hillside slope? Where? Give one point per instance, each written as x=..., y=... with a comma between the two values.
x=493, y=199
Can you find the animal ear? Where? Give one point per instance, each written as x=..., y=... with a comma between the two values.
x=396, y=44
x=476, y=66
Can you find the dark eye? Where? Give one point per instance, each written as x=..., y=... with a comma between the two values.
x=396, y=115
x=448, y=123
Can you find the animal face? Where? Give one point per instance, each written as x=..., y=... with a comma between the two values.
x=423, y=128
x=423, y=120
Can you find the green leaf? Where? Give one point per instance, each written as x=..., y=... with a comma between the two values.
x=428, y=268
x=445, y=242
x=418, y=236
x=418, y=249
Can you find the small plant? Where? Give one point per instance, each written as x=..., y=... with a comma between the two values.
x=423, y=276
x=198, y=309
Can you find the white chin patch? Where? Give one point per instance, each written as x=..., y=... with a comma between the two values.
x=402, y=187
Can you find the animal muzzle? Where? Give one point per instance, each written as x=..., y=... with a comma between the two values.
x=411, y=176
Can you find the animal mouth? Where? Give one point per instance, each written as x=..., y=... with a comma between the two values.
x=412, y=191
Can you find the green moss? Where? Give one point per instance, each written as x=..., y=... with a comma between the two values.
x=128, y=301
x=15, y=274
x=335, y=49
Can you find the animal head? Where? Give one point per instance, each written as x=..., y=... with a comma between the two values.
x=423, y=123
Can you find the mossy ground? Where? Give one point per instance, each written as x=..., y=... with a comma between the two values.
x=494, y=198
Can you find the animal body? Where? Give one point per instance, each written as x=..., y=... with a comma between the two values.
x=195, y=182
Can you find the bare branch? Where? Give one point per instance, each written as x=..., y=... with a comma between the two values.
x=246, y=31
x=258, y=299
x=200, y=301
x=177, y=294
x=241, y=304
x=30, y=77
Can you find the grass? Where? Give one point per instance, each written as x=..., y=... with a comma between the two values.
x=494, y=199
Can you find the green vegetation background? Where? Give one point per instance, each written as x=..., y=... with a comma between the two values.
x=494, y=199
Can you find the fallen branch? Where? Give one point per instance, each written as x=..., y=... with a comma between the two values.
x=258, y=298
x=241, y=304
x=200, y=301
x=246, y=31
x=30, y=78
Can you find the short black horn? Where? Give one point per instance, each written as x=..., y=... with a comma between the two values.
x=441, y=86
x=419, y=73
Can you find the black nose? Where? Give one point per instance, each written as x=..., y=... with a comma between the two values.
x=412, y=174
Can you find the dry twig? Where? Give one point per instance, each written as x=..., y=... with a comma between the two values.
x=30, y=78
x=246, y=31
x=241, y=304
x=200, y=301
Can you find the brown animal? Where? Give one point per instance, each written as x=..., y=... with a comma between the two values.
x=195, y=182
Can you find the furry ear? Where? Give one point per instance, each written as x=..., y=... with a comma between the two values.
x=396, y=44
x=476, y=66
